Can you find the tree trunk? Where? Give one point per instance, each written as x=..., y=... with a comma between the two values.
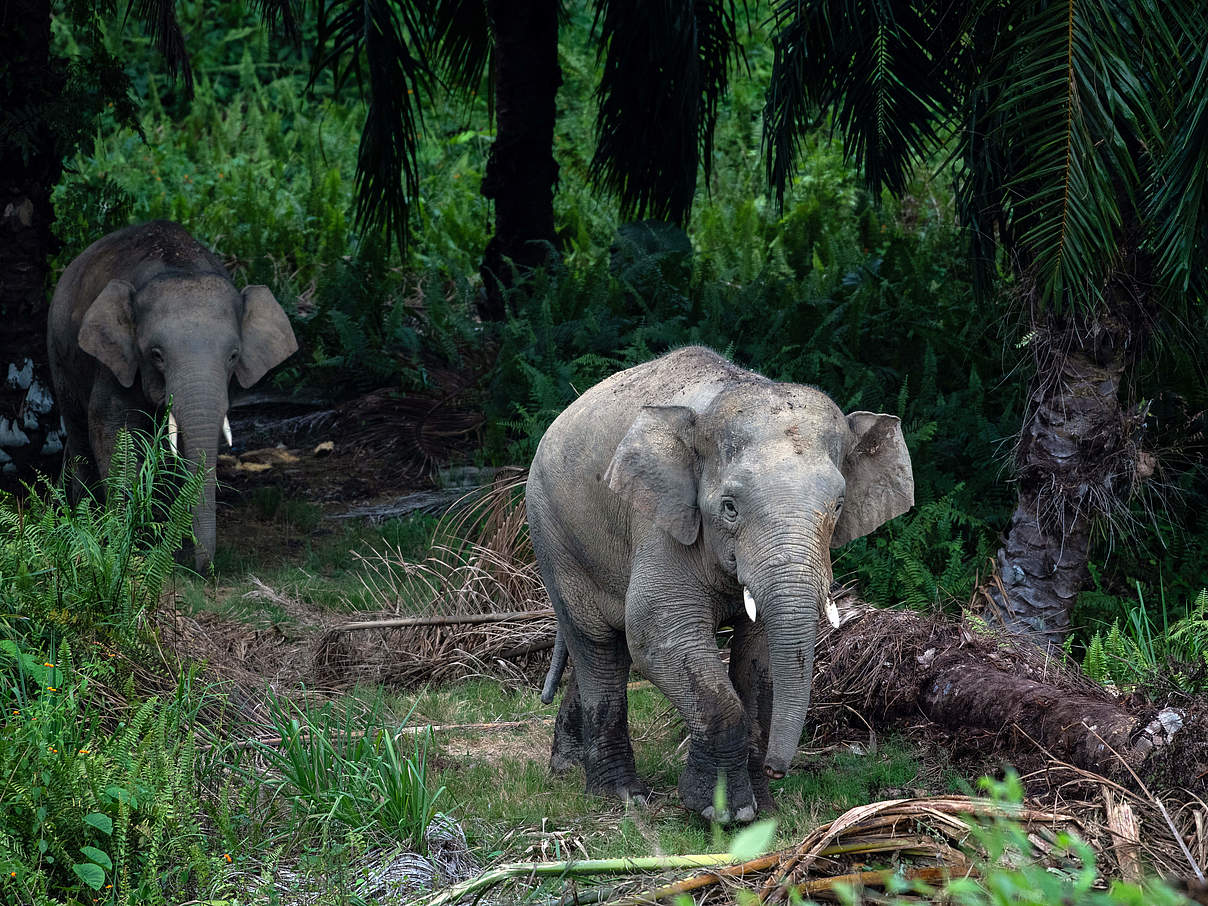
x=521, y=173
x=1077, y=460
x=892, y=665
x=30, y=166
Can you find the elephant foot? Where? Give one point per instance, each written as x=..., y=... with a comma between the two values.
x=759, y=785
x=744, y=815
x=566, y=753
x=698, y=784
x=562, y=761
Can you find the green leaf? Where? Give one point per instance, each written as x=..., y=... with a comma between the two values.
x=92, y=875
x=101, y=822
x=99, y=856
x=753, y=841
x=118, y=794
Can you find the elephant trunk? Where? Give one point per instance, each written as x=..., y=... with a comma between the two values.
x=789, y=583
x=199, y=406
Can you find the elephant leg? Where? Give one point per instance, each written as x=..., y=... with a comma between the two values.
x=752, y=678
x=593, y=720
x=79, y=468
x=108, y=413
x=601, y=674
x=675, y=647
x=567, y=751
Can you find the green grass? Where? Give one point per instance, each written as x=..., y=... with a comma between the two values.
x=497, y=781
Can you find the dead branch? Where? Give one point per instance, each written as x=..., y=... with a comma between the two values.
x=444, y=620
x=417, y=730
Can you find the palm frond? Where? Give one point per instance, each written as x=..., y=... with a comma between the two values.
x=280, y=13
x=381, y=44
x=159, y=19
x=1061, y=124
x=980, y=159
x=461, y=42
x=884, y=74
x=665, y=66
x=1178, y=206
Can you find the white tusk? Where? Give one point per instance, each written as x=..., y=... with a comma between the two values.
x=172, y=433
x=749, y=602
x=226, y=431
x=832, y=612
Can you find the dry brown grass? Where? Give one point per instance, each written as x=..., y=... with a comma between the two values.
x=481, y=562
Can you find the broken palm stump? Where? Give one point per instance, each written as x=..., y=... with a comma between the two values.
x=894, y=664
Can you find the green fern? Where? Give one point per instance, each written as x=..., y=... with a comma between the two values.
x=1094, y=663
x=95, y=566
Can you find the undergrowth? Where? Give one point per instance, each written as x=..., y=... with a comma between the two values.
x=112, y=753
x=97, y=801
x=1139, y=649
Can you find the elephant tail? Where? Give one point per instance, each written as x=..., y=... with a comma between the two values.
x=556, y=665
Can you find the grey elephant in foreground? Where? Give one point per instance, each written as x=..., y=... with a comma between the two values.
x=145, y=314
x=684, y=495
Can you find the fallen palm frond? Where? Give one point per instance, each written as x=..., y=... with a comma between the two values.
x=482, y=609
x=457, y=619
x=573, y=869
x=934, y=831
x=408, y=434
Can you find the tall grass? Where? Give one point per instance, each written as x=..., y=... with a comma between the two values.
x=350, y=768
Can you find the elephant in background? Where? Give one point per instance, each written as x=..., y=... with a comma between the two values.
x=145, y=314
x=684, y=495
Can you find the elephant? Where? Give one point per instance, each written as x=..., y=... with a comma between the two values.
x=678, y=497
x=145, y=315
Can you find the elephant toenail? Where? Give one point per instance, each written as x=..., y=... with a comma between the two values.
x=745, y=815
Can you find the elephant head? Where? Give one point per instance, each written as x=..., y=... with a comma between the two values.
x=183, y=337
x=763, y=482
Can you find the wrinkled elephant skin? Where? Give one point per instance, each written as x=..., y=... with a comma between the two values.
x=680, y=496
x=144, y=315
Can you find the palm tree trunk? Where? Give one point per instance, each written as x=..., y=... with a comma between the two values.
x=1077, y=460
x=521, y=172
x=30, y=166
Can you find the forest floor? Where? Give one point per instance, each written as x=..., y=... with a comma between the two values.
x=291, y=565
x=317, y=533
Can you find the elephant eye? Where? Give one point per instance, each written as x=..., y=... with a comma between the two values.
x=234, y=356
x=838, y=506
x=157, y=356
x=728, y=509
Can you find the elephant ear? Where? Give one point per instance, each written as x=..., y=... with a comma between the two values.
x=880, y=483
x=267, y=339
x=107, y=331
x=654, y=469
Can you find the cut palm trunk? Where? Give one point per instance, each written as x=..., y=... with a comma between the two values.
x=889, y=664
